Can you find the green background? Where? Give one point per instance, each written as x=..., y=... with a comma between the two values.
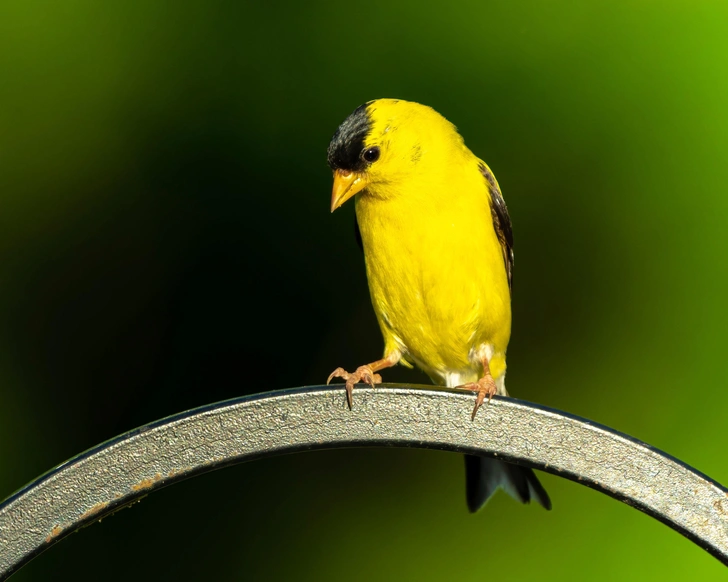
x=166, y=242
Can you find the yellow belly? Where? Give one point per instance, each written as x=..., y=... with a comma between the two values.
x=438, y=282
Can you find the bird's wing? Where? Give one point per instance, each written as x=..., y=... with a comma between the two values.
x=501, y=220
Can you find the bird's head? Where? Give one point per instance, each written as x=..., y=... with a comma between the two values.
x=384, y=142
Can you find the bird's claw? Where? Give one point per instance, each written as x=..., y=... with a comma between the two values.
x=362, y=374
x=484, y=387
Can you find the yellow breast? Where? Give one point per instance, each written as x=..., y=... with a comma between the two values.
x=436, y=272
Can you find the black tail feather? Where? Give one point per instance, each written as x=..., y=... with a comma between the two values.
x=483, y=476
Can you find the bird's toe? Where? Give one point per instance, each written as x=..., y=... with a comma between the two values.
x=338, y=373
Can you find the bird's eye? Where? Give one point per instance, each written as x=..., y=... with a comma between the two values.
x=370, y=154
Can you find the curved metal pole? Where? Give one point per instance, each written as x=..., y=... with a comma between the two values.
x=122, y=470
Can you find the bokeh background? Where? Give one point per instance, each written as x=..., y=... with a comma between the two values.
x=166, y=242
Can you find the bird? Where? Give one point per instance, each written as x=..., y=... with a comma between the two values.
x=438, y=251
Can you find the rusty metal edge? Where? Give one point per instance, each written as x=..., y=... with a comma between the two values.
x=120, y=471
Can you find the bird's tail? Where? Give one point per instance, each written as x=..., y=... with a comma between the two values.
x=483, y=476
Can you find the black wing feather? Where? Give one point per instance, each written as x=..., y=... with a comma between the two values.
x=501, y=220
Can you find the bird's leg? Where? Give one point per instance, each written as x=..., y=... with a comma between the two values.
x=366, y=373
x=485, y=387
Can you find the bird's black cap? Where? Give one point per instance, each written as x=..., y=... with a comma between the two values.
x=348, y=141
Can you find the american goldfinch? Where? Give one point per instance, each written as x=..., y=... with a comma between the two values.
x=438, y=249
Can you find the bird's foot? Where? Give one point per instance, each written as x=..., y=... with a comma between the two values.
x=484, y=387
x=363, y=373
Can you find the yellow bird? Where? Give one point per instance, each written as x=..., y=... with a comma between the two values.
x=438, y=248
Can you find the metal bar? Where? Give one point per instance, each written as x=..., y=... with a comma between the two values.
x=122, y=470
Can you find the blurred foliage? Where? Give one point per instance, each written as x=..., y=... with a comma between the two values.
x=165, y=242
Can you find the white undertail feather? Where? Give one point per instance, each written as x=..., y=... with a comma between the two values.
x=453, y=379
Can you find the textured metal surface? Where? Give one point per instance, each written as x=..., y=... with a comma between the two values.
x=121, y=470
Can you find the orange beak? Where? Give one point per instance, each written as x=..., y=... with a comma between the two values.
x=346, y=184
